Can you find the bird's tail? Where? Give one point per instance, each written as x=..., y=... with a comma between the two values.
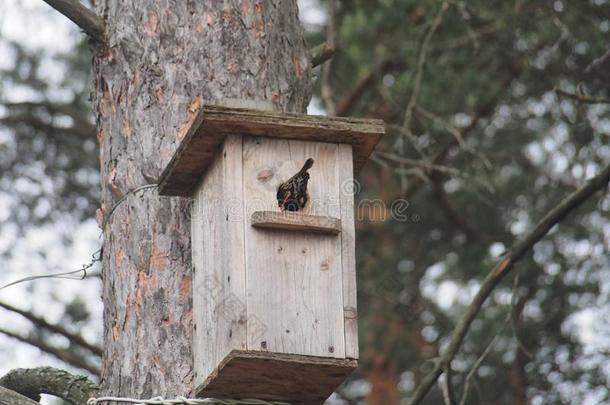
x=306, y=166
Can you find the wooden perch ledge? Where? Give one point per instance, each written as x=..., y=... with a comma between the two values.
x=293, y=221
x=80, y=15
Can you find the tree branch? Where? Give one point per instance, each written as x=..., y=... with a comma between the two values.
x=479, y=361
x=447, y=388
x=421, y=62
x=453, y=214
x=471, y=374
x=448, y=127
x=346, y=105
x=321, y=53
x=581, y=98
x=513, y=255
x=429, y=167
x=10, y=397
x=417, y=80
x=80, y=15
x=31, y=382
x=64, y=355
x=41, y=322
x=465, y=40
x=598, y=61
x=483, y=111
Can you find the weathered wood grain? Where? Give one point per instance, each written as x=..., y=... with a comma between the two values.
x=213, y=123
x=293, y=279
x=296, y=379
x=348, y=251
x=295, y=221
x=219, y=289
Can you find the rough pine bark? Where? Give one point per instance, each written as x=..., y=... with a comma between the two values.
x=163, y=60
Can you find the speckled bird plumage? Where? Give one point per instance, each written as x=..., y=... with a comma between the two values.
x=292, y=194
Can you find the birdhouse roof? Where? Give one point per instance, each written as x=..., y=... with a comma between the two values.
x=212, y=123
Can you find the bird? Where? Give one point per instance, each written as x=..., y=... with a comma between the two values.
x=292, y=194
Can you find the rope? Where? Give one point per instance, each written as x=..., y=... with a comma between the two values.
x=183, y=400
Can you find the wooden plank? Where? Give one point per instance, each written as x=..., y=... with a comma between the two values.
x=212, y=123
x=294, y=221
x=219, y=293
x=348, y=251
x=203, y=265
x=302, y=380
x=292, y=278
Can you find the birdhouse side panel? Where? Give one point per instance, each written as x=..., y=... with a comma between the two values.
x=348, y=187
x=219, y=293
x=294, y=279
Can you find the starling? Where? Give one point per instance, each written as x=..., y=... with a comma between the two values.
x=292, y=194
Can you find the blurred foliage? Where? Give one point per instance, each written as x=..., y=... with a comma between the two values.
x=489, y=75
x=49, y=166
x=49, y=182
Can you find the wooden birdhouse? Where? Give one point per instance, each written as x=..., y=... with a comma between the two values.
x=274, y=291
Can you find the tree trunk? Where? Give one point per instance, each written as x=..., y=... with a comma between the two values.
x=163, y=61
x=383, y=379
x=518, y=379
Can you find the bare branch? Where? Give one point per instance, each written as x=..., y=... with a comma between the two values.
x=453, y=214
x=420, y=163
x=483, y=111
x=447, y=388
x=517, y=251
x=41, y=322
x=421, y=62
x=450, y=128
x=80, y=15
x=471, y=37
x=582, y=98
x=346, y=105
x=64, y=355
x=471, y=374
x=417, y=79
x=598, y=61
x=31, y=382
x=477, y=364
x=321, y=53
